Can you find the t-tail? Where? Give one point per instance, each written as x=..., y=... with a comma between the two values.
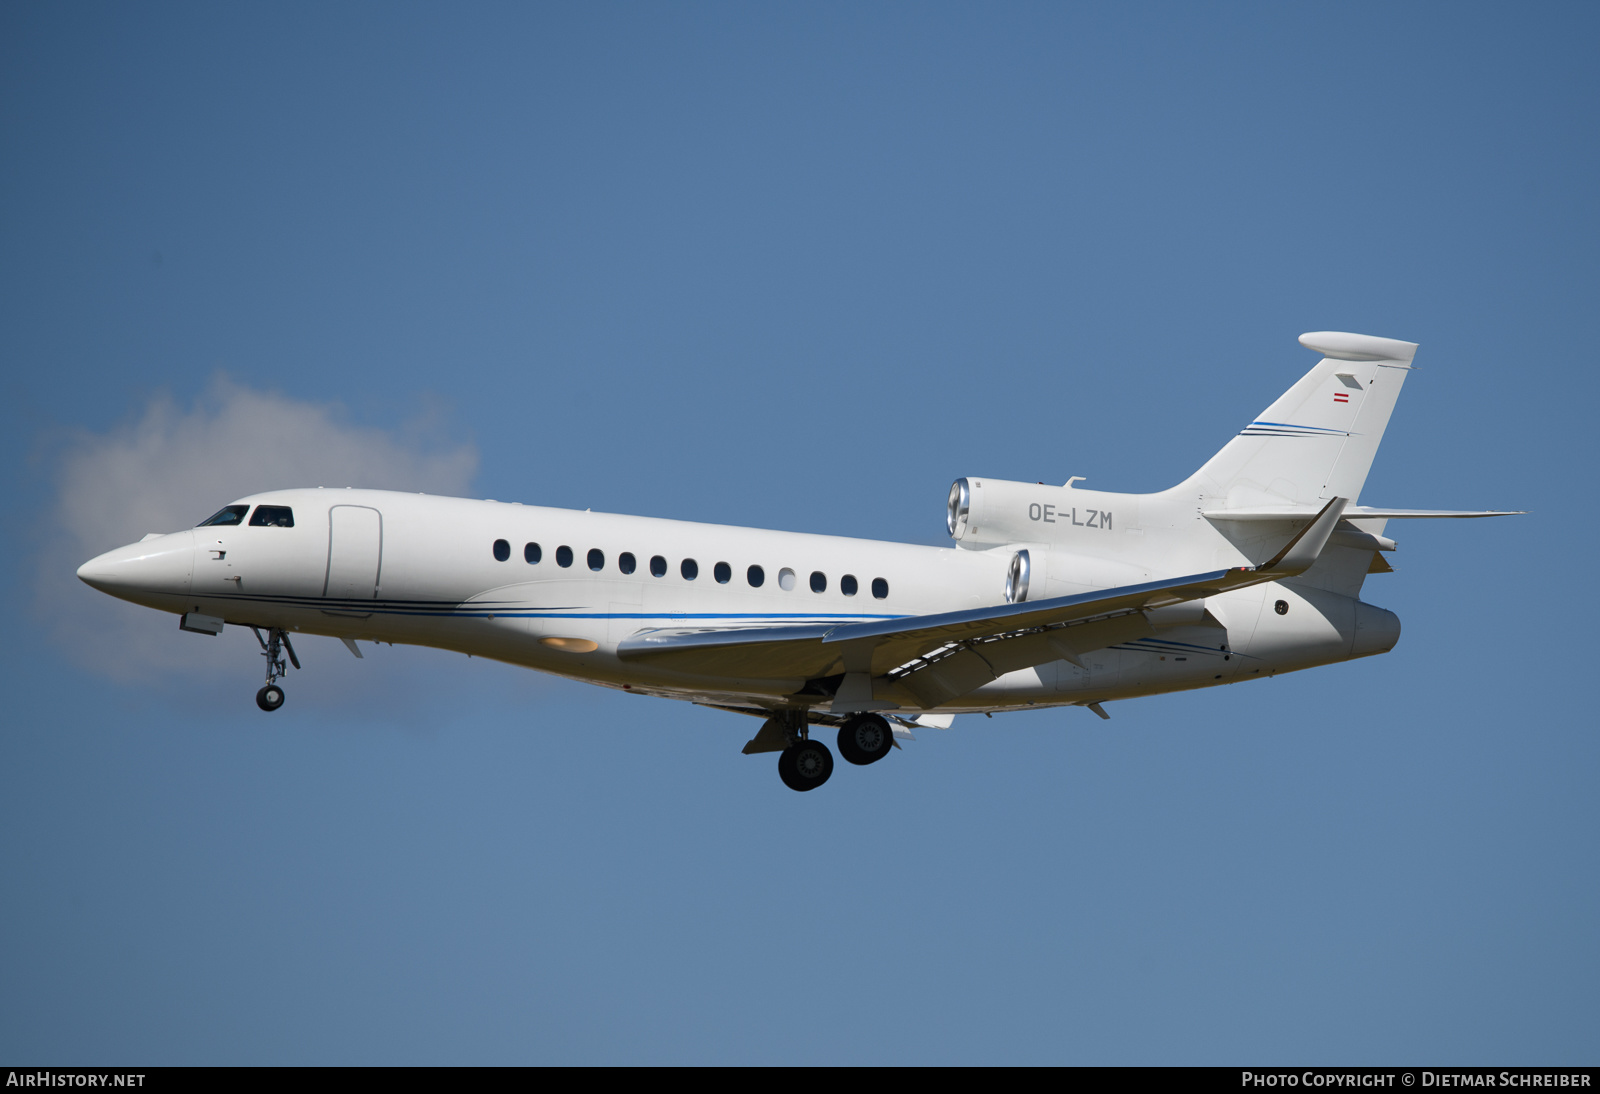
x=1318, y=440
x=1305, y=455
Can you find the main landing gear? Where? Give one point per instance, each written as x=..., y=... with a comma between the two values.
x=865, y=739
x=805, y=764
x=273, y=647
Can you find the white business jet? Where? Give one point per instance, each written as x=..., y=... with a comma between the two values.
x=1051, y=596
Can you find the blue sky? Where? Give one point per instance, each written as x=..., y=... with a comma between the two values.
x=794, y=267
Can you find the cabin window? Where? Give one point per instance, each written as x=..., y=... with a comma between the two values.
x=755, y=575
x=532, y=553
x=658, y=566
x=690, y=569
x=786, y=579
x=272, y=516
x=230, y=514
x=847, y=584
x=563, y=556
x=880, y=588
x=723, y=573
x=597, y=559
x=625, y=562
x=502, y=550
x=819, y=581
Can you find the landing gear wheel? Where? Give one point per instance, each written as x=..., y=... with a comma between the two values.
x=805, y=766
x=270, y=697
x=865, y=739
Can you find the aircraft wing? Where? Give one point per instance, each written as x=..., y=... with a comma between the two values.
x=808, y=651
x=785, y=651
x=936, y=656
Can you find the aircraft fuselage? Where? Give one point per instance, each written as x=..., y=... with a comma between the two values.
x=382, y=566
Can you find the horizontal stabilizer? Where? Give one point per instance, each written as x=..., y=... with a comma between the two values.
x=1414, y=514
x=1353, y=512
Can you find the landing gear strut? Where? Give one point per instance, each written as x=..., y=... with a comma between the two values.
x=865, y=739
x=273, y=647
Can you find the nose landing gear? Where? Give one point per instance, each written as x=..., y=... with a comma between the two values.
x=273, y=647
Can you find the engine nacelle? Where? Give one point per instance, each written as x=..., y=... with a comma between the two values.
x=991, y=512
x=1057, y=541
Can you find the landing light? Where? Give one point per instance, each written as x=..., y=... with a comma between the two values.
x=570, y=645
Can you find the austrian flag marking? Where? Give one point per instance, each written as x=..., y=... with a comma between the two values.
x=1341, y=397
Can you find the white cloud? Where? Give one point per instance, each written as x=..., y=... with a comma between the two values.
x=170, y=469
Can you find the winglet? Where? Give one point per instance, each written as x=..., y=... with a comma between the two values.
x=1301, y=552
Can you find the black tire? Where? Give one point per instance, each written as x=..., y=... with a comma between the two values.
x=805, y=766
x=270, y=698
x=865, y=739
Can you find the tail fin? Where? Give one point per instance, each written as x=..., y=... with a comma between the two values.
x=1318, y=440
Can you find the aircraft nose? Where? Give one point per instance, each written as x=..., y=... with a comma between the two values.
x=162, y=564
x=95, y=573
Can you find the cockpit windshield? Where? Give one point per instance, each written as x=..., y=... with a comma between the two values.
x=272, y=516
x=231, y=514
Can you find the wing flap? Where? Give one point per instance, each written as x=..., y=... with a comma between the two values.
x=958, y=670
